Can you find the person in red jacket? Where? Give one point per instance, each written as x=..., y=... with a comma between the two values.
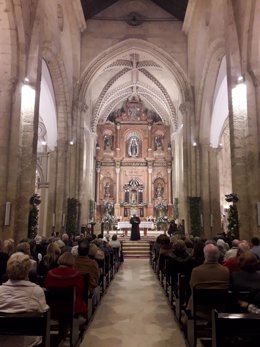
x=65, y=276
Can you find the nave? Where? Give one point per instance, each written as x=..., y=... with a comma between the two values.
x=134, y=312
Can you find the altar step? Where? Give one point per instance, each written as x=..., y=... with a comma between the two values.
x=136, y=249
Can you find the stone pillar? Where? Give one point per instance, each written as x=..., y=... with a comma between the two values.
x=214, y=198
x=189, y=160
x=62, y=174
x=149, y=141
x=169, y=171
x=6, y=154
x=149, y=187
x=240, y=129
x=117, y=140
x=117, y=205
x=98, y=185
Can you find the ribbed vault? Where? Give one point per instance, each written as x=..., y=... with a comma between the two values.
x=133, y=69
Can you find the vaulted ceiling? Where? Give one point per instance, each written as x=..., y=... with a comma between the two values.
x=176, y=8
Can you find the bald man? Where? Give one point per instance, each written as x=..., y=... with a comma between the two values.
x=210, y=272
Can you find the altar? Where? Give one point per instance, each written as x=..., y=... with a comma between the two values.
x=144, y=225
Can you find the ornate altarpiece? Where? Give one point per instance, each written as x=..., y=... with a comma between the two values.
x=133, y=163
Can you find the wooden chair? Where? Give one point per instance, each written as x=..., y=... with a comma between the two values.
x=27, y=324
x=62, y=304
x=231, y=329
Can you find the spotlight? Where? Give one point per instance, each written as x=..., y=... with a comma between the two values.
x=71, y=143
x=240, y=79
x=194, y=144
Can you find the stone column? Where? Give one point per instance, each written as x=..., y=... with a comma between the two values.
x=149, y=141
x=169, y=171
x=240, y=129
x=6, y=155
x=118, y=140
x=214, y=198
x=189, y=160
x=149, y=187
x=117, y=205
x=98, y=185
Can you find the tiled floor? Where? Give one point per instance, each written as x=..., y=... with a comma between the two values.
x=134, y=312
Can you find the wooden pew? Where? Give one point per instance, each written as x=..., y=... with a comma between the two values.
x=26, y=324
x=116, y=259
x=231, y=329
x=62, y=305
x=199, y=317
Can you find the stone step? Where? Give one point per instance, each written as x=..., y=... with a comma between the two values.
x=136, y=248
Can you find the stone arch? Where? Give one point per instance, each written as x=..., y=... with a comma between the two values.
x=207, y=88
x=126, y=46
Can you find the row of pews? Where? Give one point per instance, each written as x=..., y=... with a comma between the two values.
x=60, y=323
x=213, y=315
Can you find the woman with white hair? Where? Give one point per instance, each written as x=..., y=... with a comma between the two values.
x=18, y=294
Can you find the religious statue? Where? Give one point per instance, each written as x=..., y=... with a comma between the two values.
x=158, y=142
x=133, y=148
x=107, y=190
x=159, y=191
x=107, y=142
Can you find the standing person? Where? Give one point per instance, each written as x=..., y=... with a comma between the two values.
x=135, y=232
x=172, y=228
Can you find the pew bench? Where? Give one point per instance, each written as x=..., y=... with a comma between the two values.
x=235, y=329
x=26, y=324
x=203, y=301
x=64, y=321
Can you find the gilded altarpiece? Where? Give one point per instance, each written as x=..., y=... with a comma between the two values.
x=133, y=164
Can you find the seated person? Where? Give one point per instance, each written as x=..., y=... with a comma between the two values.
x=248, y=278
x=86, y=265
x=50, y=260
x=115, y=243
x=211, y=272
x=18, y=294
x=66, y=276
x=232, y=263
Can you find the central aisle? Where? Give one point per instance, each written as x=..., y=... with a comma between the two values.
x=134, y=312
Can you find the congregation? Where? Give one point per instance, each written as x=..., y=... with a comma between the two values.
x=32, y=267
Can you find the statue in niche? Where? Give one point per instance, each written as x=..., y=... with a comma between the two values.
x=107, y=142
x=134, y=197
x=107, y=190
x=158, y=142
x=133, y=148
x=159, y=191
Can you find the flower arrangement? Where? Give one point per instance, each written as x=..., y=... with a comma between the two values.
x=162, y=223
x=108, y=221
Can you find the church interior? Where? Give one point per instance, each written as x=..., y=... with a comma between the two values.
x=110, y=109
x=147, y=107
